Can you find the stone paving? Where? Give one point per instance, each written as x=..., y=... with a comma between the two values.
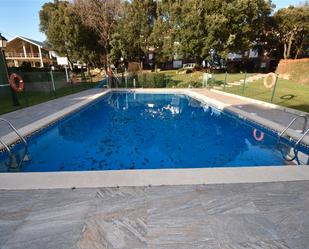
x=226, y=216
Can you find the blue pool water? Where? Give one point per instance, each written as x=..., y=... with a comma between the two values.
x=148, y=131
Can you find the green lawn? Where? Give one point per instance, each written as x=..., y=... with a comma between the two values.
x=288, y=93
x=183, y=80
x=33, y=98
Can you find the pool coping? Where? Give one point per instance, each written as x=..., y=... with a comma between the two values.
x=113, y=178
x=158, y=177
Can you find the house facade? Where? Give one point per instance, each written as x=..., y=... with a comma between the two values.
x=21, y=49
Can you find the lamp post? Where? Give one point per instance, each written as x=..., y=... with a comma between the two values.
x=4, y=76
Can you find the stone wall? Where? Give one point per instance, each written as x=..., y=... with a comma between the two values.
x=295, y=70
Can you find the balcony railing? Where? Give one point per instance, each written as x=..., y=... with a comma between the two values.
x=9, y=55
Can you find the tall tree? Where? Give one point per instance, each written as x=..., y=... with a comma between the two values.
x=66, y=34
x=220, y=25
x=293, y=29
x=132, y=35
x=163, y=39
x=101, y=16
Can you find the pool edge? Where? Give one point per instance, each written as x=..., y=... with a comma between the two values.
x=117, y=178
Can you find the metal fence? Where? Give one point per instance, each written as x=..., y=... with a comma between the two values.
x=41, y=87
x=267, y=88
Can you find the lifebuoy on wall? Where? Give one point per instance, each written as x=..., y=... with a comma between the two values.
x=256, y=137
x=273, y=81
x=21, y=83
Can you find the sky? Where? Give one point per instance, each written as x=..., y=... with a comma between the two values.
x=20, y=17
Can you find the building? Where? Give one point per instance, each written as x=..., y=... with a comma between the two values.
x=21, y=49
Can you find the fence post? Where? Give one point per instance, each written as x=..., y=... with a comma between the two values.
x=274, y=89
x=134, y=83
x=225, y=78
x=66, y=73
x=53, y=82
x=52, y=79
x=244, y=84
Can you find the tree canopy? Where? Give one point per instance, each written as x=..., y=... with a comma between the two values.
x=293, y=29
x=88, y=30
x=67, y=35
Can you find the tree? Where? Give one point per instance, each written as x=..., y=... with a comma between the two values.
x=162, y=38
x=131, y=39
x=293, y=29
x=66, y=34
x=101, y=16
x=219, y=25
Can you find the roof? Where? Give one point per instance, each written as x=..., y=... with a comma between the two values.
x=34, y=42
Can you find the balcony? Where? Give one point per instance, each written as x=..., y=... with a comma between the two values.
x=14, y=55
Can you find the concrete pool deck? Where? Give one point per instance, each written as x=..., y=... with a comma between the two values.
x=225, y=216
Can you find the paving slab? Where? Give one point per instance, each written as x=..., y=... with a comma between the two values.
x=184, y=216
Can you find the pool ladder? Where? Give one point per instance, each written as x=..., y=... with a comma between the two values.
x=13, y=159
x=304, y=132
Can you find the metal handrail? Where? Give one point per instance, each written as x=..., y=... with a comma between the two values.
x=295, y=148
x=298, y=142
x=305, y=117
x=25, y=155
x=6, y=148
x=301, y=138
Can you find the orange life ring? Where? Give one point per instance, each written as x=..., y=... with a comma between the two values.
x=21, y=85
x=256, y=137
x=273, y=82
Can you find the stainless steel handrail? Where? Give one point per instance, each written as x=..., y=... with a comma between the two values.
x=292, y=122
x=305, y=117
x=301, y=138
x=295, y=147
x=25, y=155
x=6, y=148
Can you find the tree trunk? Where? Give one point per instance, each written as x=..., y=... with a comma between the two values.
x=297, y=52
x=290, y=45
x=285, y=51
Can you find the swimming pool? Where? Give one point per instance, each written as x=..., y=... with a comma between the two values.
x=149, y=131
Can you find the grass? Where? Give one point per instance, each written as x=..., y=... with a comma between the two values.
x=288, y=93
x=33, y=98
x=183, y=80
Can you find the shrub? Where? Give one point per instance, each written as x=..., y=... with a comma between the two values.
x=151, y=80
x=194, y=84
